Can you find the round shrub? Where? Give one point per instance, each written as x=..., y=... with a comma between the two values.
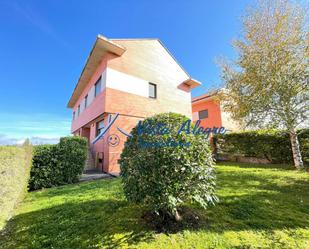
x=163, y=168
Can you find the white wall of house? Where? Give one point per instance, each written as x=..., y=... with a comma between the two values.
x=126, y=83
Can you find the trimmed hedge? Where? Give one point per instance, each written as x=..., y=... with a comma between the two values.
x=59, y=164
x=273, y=145
x=15, y=164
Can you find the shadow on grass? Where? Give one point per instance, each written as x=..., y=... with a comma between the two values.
x=257, y=212
x=248, y=201
x=258, y=166
x=81, y=188
x=260, y=202
x=108, y=223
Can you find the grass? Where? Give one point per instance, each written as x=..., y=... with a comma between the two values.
x=260, y=207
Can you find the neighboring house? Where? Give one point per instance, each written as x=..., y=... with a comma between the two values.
x=136, y=78
x=208, y=109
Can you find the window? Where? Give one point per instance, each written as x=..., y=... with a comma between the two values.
x=152, y=90
x=203, y=114
x=100, y=126
x=73, y=115
x=78, y=110
x=97, y=87
x=86, y=100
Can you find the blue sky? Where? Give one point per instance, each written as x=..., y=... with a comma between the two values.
x=44, y=45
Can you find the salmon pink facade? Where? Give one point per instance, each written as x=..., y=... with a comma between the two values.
x=208, y=109
x=136, y=78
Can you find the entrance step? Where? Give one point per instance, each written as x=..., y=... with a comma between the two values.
x=90, y=163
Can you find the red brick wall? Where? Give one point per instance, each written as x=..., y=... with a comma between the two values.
x=132, y=108
x=111, y=161
x=135, y=105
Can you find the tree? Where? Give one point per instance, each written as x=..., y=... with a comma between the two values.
x=164, y=168
x=267, y=85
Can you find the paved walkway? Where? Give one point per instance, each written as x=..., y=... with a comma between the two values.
x=93, y=175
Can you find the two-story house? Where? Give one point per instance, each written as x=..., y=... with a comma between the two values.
x=136, y=78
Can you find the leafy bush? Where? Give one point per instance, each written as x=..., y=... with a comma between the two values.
x=73, y=154
x=59, y=164
x=15, y=163
x=157, y=172
x=45, y=171
x=273, y=145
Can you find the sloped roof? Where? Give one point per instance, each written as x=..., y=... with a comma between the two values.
x=204, y=96
x=101, y=47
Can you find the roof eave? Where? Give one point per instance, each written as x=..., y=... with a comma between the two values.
x=204, y=97
x=101, y=47
x=192, y=83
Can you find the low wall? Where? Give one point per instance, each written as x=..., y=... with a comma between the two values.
x=241, y=159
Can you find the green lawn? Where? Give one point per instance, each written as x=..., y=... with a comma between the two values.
x=260, y=207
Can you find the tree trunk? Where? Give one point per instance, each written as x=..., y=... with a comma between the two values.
x=177, y=216
x=298, y=162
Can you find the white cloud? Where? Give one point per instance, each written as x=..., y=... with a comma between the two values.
x=4, y=140
x=8, y=141
x=39, y=128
